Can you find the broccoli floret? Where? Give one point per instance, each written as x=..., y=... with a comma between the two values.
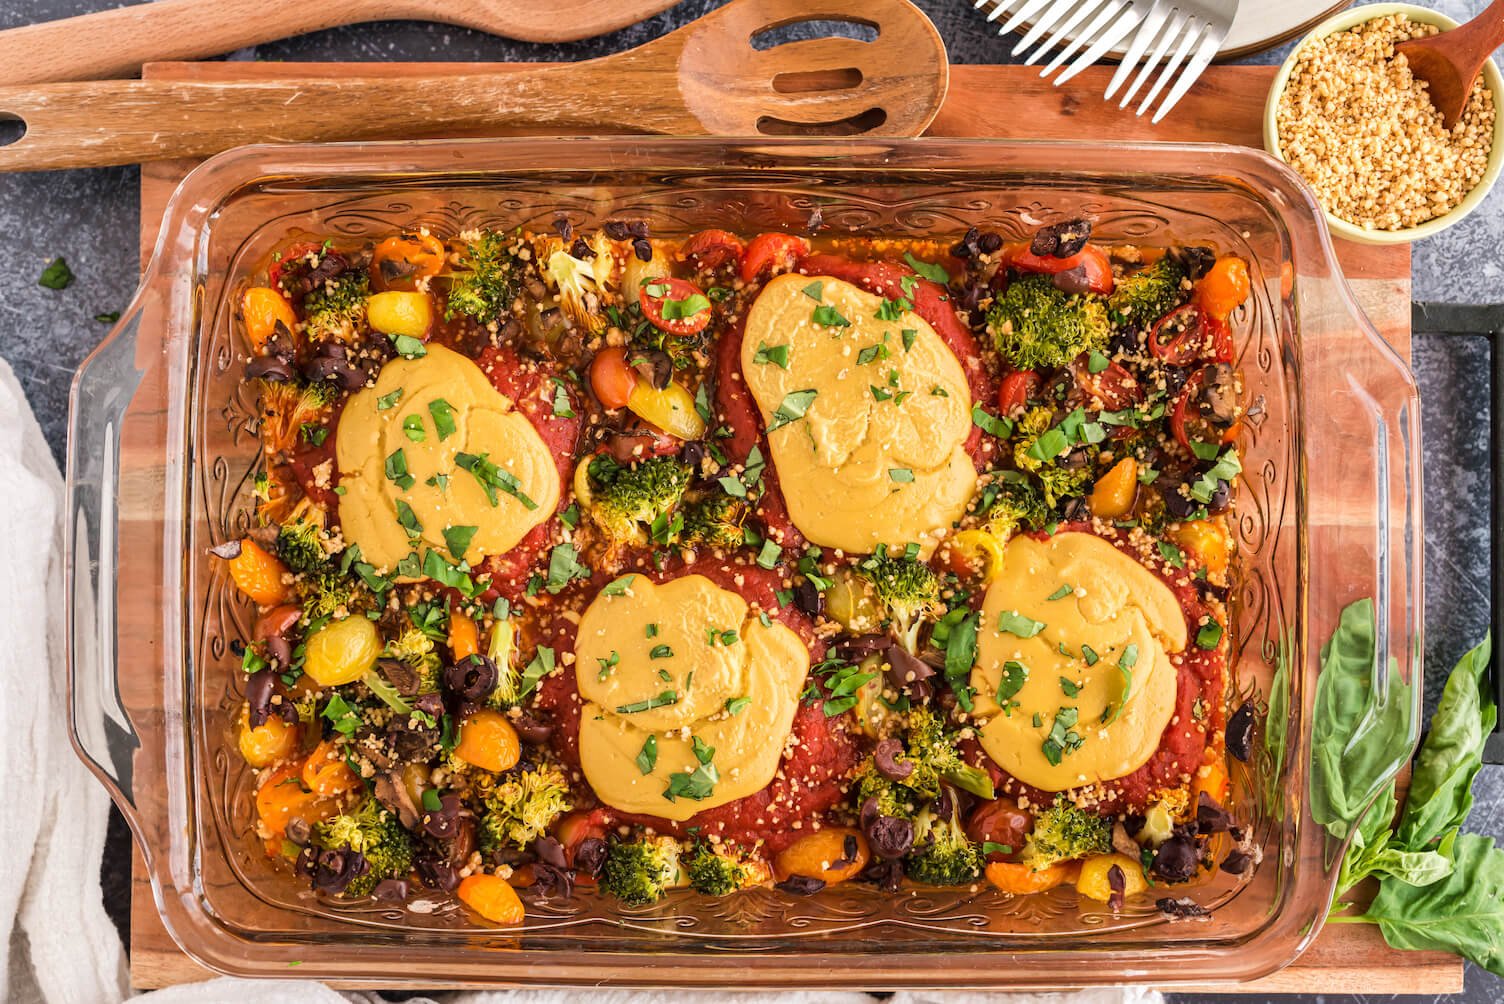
x=500, y=649
x=581, y=283
x=1058, y=482
x=623, y=500
x=299, y=545
x=1143, y=297
x=906, y=587
x=718, y=871
x=336, y=310
x=486, y=281
x=1036, y=326
x=943, y=854
x=286, y=408
x=327, y=593
x=935, y=760
x=1018, y=505
x=714, y=522
x=373, y=831
x=1064, y=832
x=522, y=806
x=638, y=873
x=415, y=648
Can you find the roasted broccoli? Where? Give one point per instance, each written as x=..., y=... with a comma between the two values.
x=521, y=807
x=415, y=648
x=1064, y=832
x=1143, y=297
x=906, y=587
x=1059, y=482
x=286, y=408
x=624, y=500
x=715, y=522
x=500, y=649
x=373, y=831
x=719, y=871
x=300, y=544
x=486, y=280
x=1017, y=505
x=639, y=872
x=581, y=283
x=336, y=310
x=935, y=759
x=943, y=854
x=1036, y=326
x=327, y=592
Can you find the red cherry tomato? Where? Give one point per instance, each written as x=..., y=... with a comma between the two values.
x=1000, y=822
x=1187, y=423
x=611, y=377
x=1187, y=335
x=1017, y=388
x=575, y=828
x=289, y=257
x=1093, y=260
x=711, y=249
x=1114, y=386
x=770, y=251
x=675, y=305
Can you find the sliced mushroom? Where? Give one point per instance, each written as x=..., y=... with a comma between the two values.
x=392, y=793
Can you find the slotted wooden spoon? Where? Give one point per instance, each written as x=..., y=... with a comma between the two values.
x=114, y=43
x=706, y=77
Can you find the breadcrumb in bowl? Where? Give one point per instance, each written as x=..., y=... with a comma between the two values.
x=1346, y=114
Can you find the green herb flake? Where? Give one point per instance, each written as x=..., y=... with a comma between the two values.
x=492, y=478
x=409, y=347
x=412, y=427
x=829, y=317
x=794, y=405
x=778, y=355
x=902, y=475
x=647, y=759
x=386, y=402
x=769, y=556
x=815, y=291
x=1210, y=635
x=1014, y=623
x=661, y=700
x=618, y=586
x=1061, y=593
x=564, y=567
x=396, y=470
x=57, y=275
x=931, y=271
x=1173, y=555
x=736, y=705
x=991, y=424
x=661, y=652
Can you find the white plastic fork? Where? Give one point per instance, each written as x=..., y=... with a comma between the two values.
x=1183, y=34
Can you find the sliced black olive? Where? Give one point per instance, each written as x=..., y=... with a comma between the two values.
x=1178, y=502
x=809, y=599
x=1117, y=882
x=1236, y=862
x=532, y=730
x=1196, y=261
x=968, y=245
x=1061, y=240
x=890, y=837
x=333, y=871
x=888, y=757
x=1180, y=909
x=802, y=885
x=1240, y=732
x=1211, y=817
x=269, y=368
x=590, y=856
x=1176, y=859
x=1072, y=280
x=579, y=249
x=472, y=679
x=259, y=687
x=443, y=823
x=392, y=890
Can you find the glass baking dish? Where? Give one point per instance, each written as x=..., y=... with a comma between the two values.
x=161, y=454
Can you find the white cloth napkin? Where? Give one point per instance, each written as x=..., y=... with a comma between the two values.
x=60, y=947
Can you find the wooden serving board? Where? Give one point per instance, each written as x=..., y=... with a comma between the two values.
x=1225, y=106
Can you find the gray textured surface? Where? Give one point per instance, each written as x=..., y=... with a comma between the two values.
x=90, y=217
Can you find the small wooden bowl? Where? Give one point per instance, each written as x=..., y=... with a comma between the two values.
x=1491, y=76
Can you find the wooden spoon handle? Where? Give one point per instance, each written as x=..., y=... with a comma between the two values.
x=92, y=124
x=115, y=43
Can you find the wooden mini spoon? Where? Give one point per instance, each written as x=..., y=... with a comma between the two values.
x=706, y=77
x=114, y=43
x=1450, y=61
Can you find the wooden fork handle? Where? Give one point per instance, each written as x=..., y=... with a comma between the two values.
x=93, y=124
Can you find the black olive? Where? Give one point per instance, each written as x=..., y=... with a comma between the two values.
x=1117, y=881
x=1176, y=859
x=1180, y=909
x=590, y=856
x=280, y=650
x=1211, y=817
x=563, y=227
x=435, y=871
x=1240, y=732
x=890, y=837
x=968, y=245
x=269, y=368
x=472, y=679
x=906, y=670
x=642, y=249
x=889, y=760
x=849, y=849
x=1175, y=378
x=638, y=229
x=692, y=454
x=1236, y=862
x=887, y=874
x=1061, y=240
x=808, y=598
x=1126, y=341
x=858, y=647
x=392, y=890
x=1196, y=261
x=1178, y=502
x=579, y=249
x=1219, y=497
x=333, y=871
x=550, y=881
x=532, y=730
x=990, y=242
x=801, y=885
x=445, y=822
x=615, y=229
x=338, y=371
x=259, y=687
x=1074, y=281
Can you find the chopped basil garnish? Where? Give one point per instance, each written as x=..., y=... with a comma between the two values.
x=931, y=271
x=662, y=700
x=648, y=758
x=491, y=478
x=829, y=317
x=1014, y=623
x=778, y=355
x=795, y=404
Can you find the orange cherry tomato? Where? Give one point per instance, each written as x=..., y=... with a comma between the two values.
x=770, y=252
x=675, y=305
x=1016, y=389
x=710, y=249
x=488, y=740
x=266, y=314
x=400, y=261
x=1093, y=259
x=1224, y=287
x=611, y=377
x=464, y=637
x=282, y=797
x=325, y=772
x=492, y=897
x=259, y=574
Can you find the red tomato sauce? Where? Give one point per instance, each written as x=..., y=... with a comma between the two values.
x=1201, y=677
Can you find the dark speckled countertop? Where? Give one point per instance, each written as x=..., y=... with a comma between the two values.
x=91, y=218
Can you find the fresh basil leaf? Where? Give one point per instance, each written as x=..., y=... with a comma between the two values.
x=1014, y=623
x=931, y=271
x=795, y=404
x=1463, y=913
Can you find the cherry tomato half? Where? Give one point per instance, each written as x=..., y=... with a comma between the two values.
x=675, y=305
x=400, y=261
x=770, y=252
x=1187, y=335
x=1188, y=424
x=1016, y=389
x=1000, y=822
x=1113, y=386
x=290, y=257
x=710, y=249
x=611, y=377
x=1093, y=260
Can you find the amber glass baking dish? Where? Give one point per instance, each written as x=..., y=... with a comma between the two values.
x=160, y=463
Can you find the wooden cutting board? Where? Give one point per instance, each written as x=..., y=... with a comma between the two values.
x=1225, y=106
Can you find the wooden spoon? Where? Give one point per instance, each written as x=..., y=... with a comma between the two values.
x=114, y=43
x=706, y=77
x=1450, y=61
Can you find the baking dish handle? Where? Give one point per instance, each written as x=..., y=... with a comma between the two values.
x=106, y=385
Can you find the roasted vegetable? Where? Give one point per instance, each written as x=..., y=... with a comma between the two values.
x=1143, y=297
x=521, y=806
x=336, y=310
x=1064, y=832
x=1036, y=326
x=371, y=830
x=906, y=587
x=639, y=872
x=486, y=280
x=943, y=854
